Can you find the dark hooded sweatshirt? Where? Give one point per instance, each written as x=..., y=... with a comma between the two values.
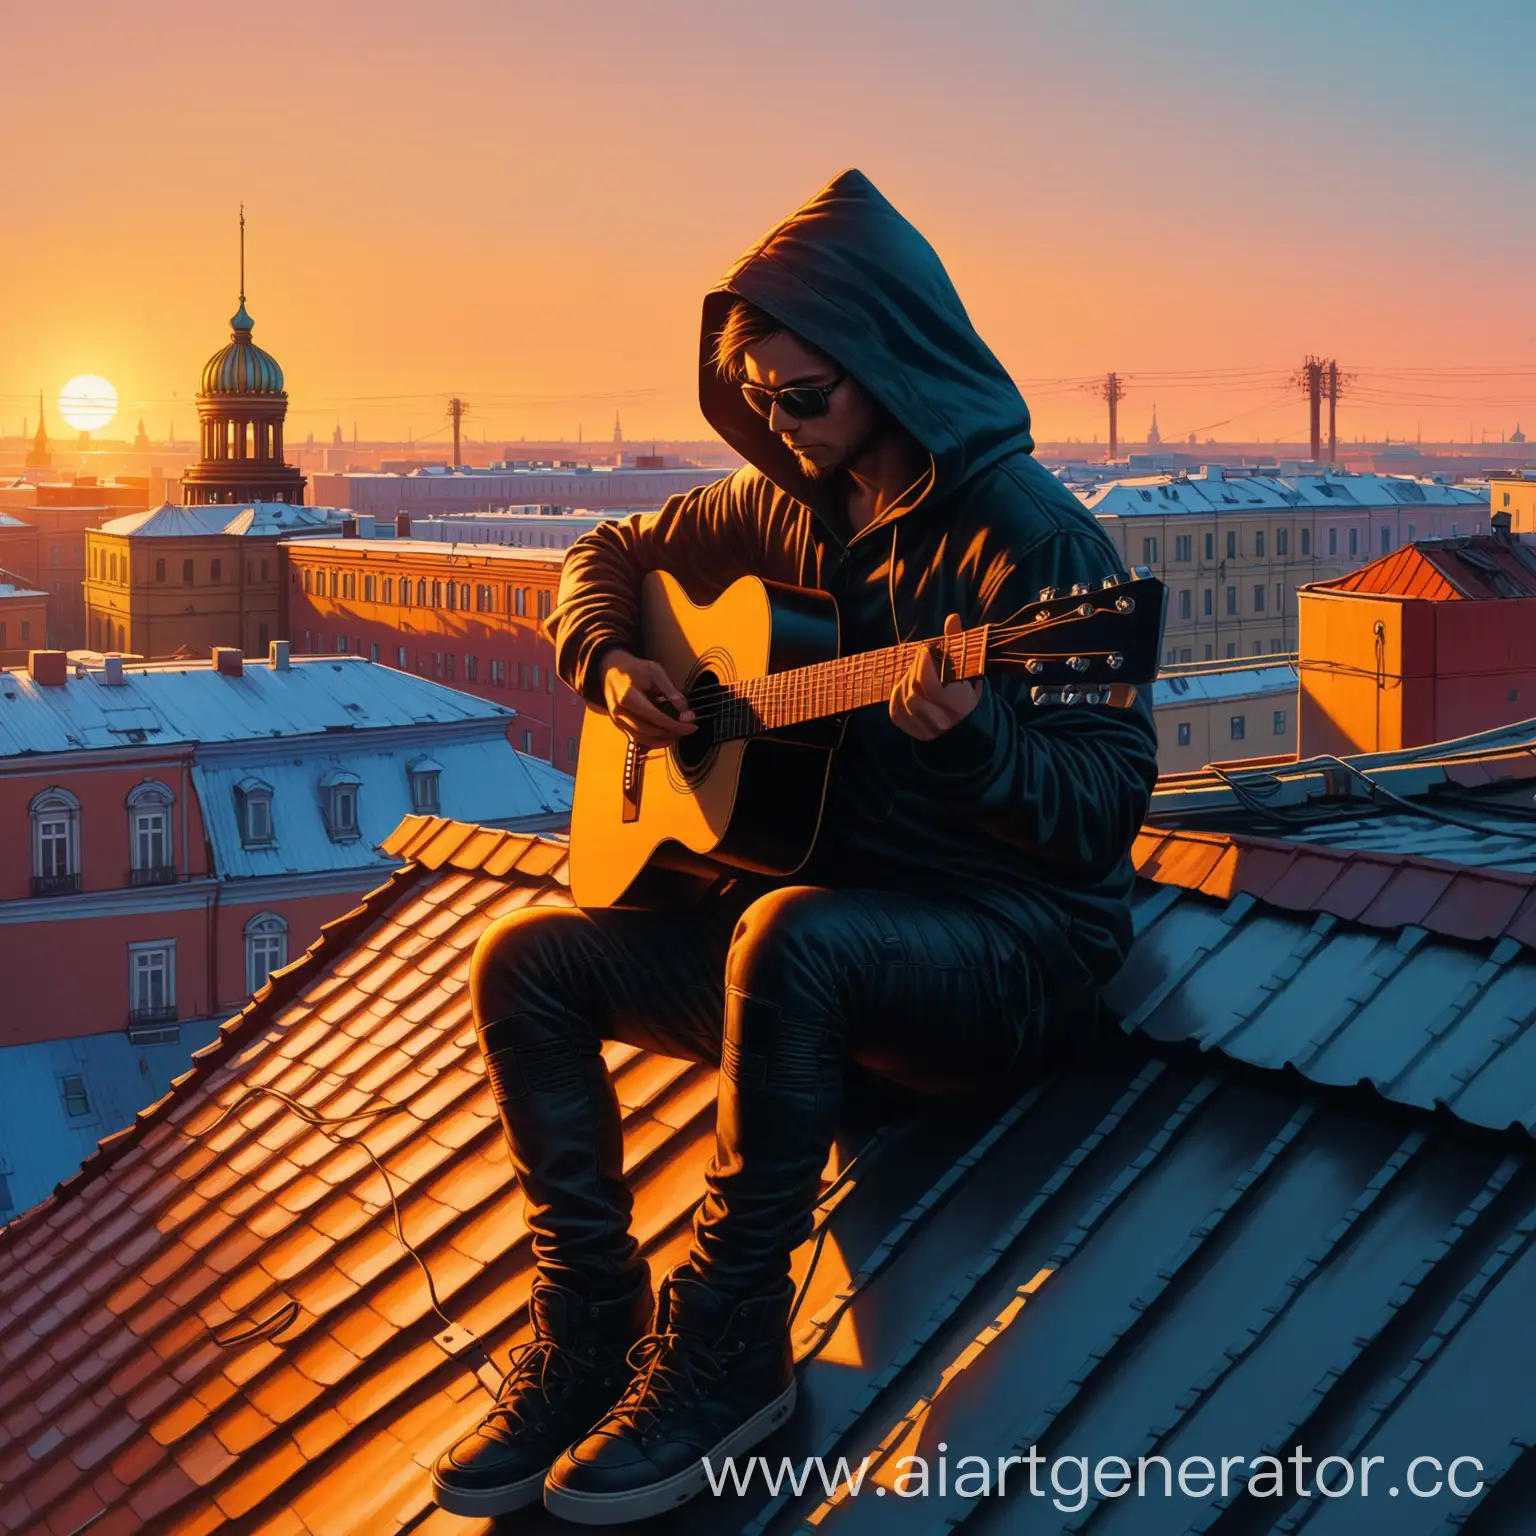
x=1026, y=812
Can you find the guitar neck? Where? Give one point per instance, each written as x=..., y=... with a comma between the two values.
x=782, y=699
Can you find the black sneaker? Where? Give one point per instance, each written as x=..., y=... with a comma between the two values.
x=559, y=1384
x=711, y=1380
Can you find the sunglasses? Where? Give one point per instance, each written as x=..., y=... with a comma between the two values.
x=804, y=402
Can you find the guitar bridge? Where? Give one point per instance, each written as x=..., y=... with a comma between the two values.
x=634, y=767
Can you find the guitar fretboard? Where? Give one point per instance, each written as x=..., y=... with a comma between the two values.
x=781, y=699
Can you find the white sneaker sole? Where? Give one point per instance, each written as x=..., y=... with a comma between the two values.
x=658, y=1498
x=488, y=1501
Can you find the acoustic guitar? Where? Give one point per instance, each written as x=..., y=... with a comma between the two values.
x=761, y=670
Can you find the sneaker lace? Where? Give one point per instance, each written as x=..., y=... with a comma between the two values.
x=537, y=1373
x=671, y=1369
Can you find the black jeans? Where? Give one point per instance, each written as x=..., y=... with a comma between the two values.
x=782, y=994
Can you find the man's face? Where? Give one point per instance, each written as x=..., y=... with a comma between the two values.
x=823, y=445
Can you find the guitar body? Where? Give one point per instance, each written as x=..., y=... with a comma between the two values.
x=655, y=829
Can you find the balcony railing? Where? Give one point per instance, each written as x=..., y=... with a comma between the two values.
x=153, y=874
x=55, y=885
x=164, y=1014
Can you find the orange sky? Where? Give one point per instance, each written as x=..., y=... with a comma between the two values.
x=523, y=202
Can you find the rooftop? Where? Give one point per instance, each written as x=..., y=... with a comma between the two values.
x=191, y=701
x=260, y=519
x=1295, y=1208
x=1201, y=684
x=386, y=549
x=1448, y=570
x=1216, y=491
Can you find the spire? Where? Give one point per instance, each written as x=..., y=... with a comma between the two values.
x=618, y=431
x=40, y=458
x=242, y=324
x=242, y=255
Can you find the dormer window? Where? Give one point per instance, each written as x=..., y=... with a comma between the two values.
x=426, y=776
x=253, y=809
x=338, y=804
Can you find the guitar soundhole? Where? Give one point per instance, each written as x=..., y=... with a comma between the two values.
x=694, y=754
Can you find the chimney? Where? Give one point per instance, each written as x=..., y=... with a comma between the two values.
x=229, y=660
x=402, y=525
x=349, y=527
x=1501, y=526
x=277, y=655
x=112, y=671
x=48, y=669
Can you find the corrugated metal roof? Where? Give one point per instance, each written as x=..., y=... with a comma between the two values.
x=262, y=519
x=162, y=702
x=1447, y=570
x=1217, y=493
x=1236, y=682
x=1143, y=1254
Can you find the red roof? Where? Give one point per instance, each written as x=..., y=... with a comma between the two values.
x=1479, y=566
x=213, y=1323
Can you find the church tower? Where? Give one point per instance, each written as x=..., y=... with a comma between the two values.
x=39, y=457
x=241, y=408
x=1154, y=437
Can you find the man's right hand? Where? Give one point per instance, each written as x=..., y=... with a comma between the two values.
x=631, y=684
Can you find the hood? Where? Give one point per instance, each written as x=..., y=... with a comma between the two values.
x=848, y=274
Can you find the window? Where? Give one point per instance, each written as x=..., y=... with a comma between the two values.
x=463, y=596
x=544, y=605
x=338, y=804
x=1386, y=539
x=570, y=749
x=308, y=579
x=1455, y=529
x=77, y=1102
x=400, y=660
x=1183, y=733
x=1210, y=546
x=253, y=809
x=1186, y=607
x=1258, y=599
x=426, y=780
x=1186, y=654
x=266, y=949
x=1258, y=647
x=1210, y=652
x=421, y=591
x=341, y=645
x=186, y=573
x=528, y=741
x=55, y=843
x=149, y=834
x=1306, y=541
x=1354, y=543
x=1181, y=547
x=1209, y=602
x=215, y=570
x=453, y=594
x=308, y=642
x=1279, y=597
x=370, y=588
x=448, y=666
x=389, y=589
x=520, y=601
x=1282, y=542
x=1149, y=551
x=1258, y=542
x=437, y=594
x=26, y=630
x=159, y=570
x=1279, y=722
x=1410, y=533
x=265, y=568
x=498, y=673
x=1170, y=656
x=1231, y=649
x=373, y=651
x=485, y=599
x=405, y=591
x=1231, y=544
x=1333, y=541
x=471, y=667
x=437, y=664
x=349, y=586
x=1239, y=727
x=152, y=982
x=1232, y=600
x=533, y=675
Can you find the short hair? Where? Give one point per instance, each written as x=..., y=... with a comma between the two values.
x=745, y=326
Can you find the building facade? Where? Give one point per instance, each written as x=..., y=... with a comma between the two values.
x=1433, y=642
x=182, y=580
x=1516, y=495
x=23, y=620
x=1224, y=712
x=1234, y=548
x=189, y=827
x=470, y=616
x=18, y=548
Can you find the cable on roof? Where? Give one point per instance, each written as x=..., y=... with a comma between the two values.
x=1379, y=790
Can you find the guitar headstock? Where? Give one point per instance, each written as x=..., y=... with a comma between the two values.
x=1092, y=644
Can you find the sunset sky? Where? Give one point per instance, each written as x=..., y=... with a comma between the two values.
x=523, y=201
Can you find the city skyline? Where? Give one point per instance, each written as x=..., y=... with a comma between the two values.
x=1196, y=201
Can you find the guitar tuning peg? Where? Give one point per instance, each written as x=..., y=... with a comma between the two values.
x=1079, y=589
x=1110, y=581
x=1078, y=663
x=1034, y=665
x=1046, y=594
x=1114, y=661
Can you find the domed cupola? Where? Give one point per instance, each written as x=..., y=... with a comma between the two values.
x=241, y=407
x=242, y=368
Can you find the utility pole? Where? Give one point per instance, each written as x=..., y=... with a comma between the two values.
x=1309, y=379
x=456, y=409
x=1333, y=408
x=1112, y=391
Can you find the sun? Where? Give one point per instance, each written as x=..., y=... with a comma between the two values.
x=87, y=402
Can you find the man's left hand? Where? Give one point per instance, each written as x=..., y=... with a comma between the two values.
x=925, y=707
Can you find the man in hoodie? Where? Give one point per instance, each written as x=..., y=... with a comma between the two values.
x=968, y=892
